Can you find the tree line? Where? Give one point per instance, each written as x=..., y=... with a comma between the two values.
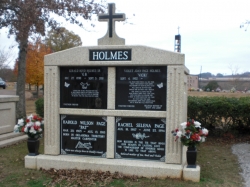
x=56, y=40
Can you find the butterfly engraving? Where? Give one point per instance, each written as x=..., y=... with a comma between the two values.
x=66, y=84
x=160, y=85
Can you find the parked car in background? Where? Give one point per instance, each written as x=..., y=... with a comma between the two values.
x=2, y=83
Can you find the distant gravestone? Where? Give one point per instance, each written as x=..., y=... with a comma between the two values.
x=112, y=107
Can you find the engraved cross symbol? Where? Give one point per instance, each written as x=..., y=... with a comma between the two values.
x=111, y=17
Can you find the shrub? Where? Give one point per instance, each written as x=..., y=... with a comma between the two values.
x=221, y=113
x=40, y=107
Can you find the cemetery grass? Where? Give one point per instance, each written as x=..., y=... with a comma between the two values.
x=219, y=167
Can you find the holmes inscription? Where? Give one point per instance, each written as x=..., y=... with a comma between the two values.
x=110, y=55
x=140, y=138
x=83, y=135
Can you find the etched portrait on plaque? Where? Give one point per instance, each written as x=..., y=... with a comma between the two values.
x=83, y=87
x=141, y=88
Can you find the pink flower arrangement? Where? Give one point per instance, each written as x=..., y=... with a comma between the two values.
x=192, y=133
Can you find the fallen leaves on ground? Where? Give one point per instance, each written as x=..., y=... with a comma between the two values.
x=84, y=177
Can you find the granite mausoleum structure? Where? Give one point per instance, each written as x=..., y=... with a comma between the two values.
x=112, y=107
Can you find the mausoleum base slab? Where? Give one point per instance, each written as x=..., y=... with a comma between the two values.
x=128, y=167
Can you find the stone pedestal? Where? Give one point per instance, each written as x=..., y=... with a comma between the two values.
x=7, y=113
x=30, y=162
x=192, y=174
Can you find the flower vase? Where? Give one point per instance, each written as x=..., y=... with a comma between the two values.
x=33, y=146
x=191, y=157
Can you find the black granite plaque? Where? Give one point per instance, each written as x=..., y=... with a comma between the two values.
x=141, y=88
x=83, y=87
x=140, y=138
x=83, y=135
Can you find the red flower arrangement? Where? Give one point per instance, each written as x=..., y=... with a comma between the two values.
x=192, y=135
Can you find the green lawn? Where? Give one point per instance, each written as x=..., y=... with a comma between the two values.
x=219, y=167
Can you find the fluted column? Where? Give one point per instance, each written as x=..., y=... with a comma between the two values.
x=51, y=110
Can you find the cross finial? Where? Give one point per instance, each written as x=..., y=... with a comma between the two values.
x=111, y=37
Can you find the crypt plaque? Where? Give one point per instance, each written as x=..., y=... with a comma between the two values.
x=141, y=88
x=83, y=87
x=140, y=138
x=83, y=135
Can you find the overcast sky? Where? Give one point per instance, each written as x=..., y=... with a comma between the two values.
x=211, y=38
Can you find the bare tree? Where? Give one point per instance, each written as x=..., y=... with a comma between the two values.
x=26, y=17
x=236, y=78
x=245, y=24
x=6, y=57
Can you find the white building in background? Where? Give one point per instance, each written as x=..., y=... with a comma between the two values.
x=193, y=82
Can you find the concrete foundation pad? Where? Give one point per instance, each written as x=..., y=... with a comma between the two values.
x=128, y=167
x=192, y=174
x=10, y=141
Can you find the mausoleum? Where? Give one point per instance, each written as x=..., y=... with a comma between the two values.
x=112, y=107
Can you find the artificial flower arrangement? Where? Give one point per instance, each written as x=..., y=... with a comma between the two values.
x=192, y=133
x=32, y=126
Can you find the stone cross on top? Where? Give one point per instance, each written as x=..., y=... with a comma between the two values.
x=111, y=37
